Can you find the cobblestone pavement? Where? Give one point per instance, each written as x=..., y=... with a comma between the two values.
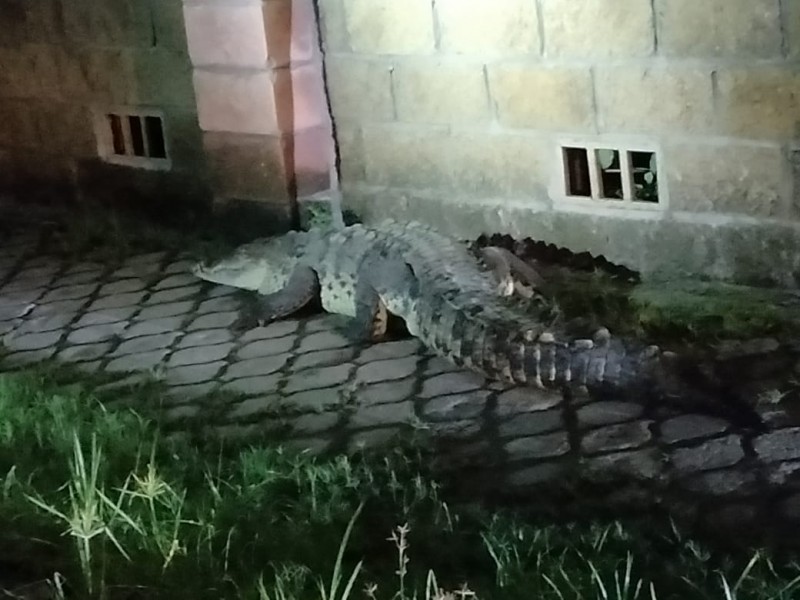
x=303, y=380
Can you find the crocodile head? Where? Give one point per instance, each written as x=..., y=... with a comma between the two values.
x=261, y=265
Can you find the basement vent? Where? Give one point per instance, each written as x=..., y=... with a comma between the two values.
x=131, y=137
x=614, y=175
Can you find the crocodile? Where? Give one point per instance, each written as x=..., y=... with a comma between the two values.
x=453, y=304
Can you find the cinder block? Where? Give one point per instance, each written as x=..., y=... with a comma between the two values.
x=475, y=164
x=729, y=28
x=792, y=28
x=548, y=98
x=261, y=102
x=441, y=92
x=760, y=102
x=162, y=77
x=248, y=167
x=19, y=126
x=390, y=26
x=598, y=29
x=333, y=25
x=226, y=34
x=352, y=163
x=731, y=178
x=169, y=27
x=110, y=74
x=654, y=100
x=359, y=90
x=488, y=26
x=66, y=129
x=115, y=23
x=28, y=71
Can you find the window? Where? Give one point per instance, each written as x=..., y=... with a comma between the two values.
x=613, y=175
x=132, y=137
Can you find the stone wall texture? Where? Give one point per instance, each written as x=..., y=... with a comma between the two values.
x=64, y=61
x=454, y=111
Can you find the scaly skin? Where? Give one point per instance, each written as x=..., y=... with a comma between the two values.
x=447, y=300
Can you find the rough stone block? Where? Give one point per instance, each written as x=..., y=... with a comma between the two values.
x=731, y=178
x=632, y=99
x=488, y=27
x=547, y=98
x=441, y=92
x=475, y=164
x=760, y=102
x=237, y=102
x=390, y=26
x=597, y=29
x=714, y=454
x=729, y=28
x=360, y=90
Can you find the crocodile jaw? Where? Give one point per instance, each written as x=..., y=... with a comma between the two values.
x=244, y=275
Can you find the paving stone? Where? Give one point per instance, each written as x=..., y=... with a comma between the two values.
x=307, y=445
x=372, y=438
x=223, y=304
x=85, y=266
x=187, y=375
x=206, y=337
x=454, y=430
x=200, y=354
x=689, y=427
x=78, y=278
x=257, y=366
x=32, y=341
x=387, y=370
x=123, y=286
x=781, y=474
x=321, y=377
x=323, y=340
x=214, y=321
x=390, y=350
x=176, y=281
x=380, y=393
x=646, y=464
x=790, y=507
x=324, y=322
x=181, y=413
x=39, y=275
x=16, y=301
x=451, y=383
x=70, y=292
x=727, y=482
x=549, y=445
x=456, y=407
x=545, y=473
x=92, y=366
x=267, y=347
x=27, y=357
x=315, y=400
x=117, y=301
x=173, y=295
x=624, y=436
x=26, y=286
x=521, y=400
x=7, y=327
x=253, y=385
x=314, y=423
x=160, y=311
x=277, y=329
x=545, y=421
x=137, y=362
x=125, y=383
x=62, y=306
x=323, y=358
x=154, y=327
x=108, y=315
x=147, y=259
x=379, y=415
x=607, y=413
x=713, y=454
x=254, y=406
x=179, y=266
x=190, y=392
x=45, y=323
x=219, y=291
x=84, y=352
x=145, y=343
x=778, y=445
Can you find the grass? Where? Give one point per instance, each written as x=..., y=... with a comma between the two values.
x=105, y=505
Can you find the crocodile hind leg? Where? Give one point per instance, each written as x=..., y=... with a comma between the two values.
x=302, y=288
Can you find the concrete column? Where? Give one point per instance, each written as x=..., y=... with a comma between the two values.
x=261, y=100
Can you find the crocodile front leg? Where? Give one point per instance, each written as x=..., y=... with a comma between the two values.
x=302, y=288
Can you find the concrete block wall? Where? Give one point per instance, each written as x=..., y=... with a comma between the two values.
x=62, y=62
x=455, y=112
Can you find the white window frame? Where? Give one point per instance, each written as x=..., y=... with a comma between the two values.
x=105, y=137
